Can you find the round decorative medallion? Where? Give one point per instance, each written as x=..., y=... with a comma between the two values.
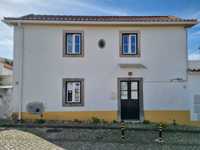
x=101, y=43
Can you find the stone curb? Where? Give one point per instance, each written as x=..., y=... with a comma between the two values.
x=117, y=127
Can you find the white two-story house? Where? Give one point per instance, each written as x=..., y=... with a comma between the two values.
x=110, y=67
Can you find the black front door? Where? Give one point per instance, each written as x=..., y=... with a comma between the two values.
x=129, y=99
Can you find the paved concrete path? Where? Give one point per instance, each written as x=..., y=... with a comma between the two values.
x=19, y=140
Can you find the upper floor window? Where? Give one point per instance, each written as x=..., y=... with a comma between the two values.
x=129, y=45
x=73, y=44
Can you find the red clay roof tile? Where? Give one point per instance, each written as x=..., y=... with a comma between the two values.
x=101, y=18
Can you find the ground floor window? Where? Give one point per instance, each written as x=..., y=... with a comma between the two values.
x=73, y=92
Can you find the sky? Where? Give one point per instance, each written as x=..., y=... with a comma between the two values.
x=181, y=8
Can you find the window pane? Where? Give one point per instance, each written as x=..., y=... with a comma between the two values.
x=73, y=91
x=69, y=85
x=124, y=86
x=134, y=95
x=69, y=95
x=125, y=43
x=77, y=91
x=69, y=43
x=69, y=91
x=134, y=85
x=133, y=43
x=77, y=43
x=124, y=94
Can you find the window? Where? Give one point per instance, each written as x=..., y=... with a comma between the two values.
x=129, y=45
x=124, y=90
x=73, y=92
x=73, y=43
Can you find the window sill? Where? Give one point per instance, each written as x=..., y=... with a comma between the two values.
x=72, y=104
x=73, y=55
x=129, y=55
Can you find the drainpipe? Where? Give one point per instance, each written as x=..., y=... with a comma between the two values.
x=187, y=53
x=21, y=74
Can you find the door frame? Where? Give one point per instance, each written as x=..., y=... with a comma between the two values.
x=141, y=108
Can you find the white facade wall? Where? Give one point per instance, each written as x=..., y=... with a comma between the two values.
x=163, y=53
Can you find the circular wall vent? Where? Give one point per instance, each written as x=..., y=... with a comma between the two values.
x=101, y=43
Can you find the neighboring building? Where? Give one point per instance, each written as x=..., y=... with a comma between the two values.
x=5, y=87
x=194, y=89
x=110, y=67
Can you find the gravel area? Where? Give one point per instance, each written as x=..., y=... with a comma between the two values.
x=110, y=139
x=105, y=137
x=18, y=140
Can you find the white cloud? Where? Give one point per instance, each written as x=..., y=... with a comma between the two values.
x=194, y=56
x=196, y=15
x=14, y=8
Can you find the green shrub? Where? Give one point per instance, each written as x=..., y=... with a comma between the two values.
x=95, y=120
x=174, y=122
x=77, y=121
x=163, y=125
x=14, y=117
x=114, y=121
x=104, y=121
x=39, y=121
x=146, y=122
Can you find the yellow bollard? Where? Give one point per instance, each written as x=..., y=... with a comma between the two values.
x=160, y=138
x=122, y=130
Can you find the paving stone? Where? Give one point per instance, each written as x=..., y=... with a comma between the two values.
x=19, y=140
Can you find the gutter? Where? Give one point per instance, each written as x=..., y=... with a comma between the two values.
x=184, y=23
x=21, y=76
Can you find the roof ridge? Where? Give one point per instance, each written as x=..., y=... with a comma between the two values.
x=169, y=16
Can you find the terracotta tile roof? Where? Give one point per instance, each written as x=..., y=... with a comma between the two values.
x=194, y=66
x=194, y=70
x=101, y=18
x=5, y=65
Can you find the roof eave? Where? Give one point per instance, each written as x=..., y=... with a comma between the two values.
x=183, y=23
